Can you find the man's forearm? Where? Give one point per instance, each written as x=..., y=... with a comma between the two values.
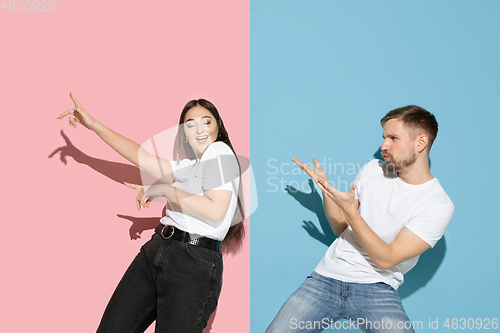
x=376, y=248
x=334, y=215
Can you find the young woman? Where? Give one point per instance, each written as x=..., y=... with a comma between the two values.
x=177, y=276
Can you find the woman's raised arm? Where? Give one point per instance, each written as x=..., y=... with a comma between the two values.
x=132, y=151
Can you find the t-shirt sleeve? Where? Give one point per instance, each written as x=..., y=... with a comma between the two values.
x=220, y=168
x=358, y=180
x=179, y=165
x=431, y=224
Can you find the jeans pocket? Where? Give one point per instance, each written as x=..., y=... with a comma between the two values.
x=384, y=286
x=200, y=254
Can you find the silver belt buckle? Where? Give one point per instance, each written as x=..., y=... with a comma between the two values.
x=163, y=230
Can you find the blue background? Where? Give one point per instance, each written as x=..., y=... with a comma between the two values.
x=323, y=73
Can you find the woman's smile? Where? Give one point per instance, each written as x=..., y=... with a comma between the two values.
x=200, y=129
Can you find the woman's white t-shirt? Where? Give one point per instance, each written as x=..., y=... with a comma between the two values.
x=217, y=169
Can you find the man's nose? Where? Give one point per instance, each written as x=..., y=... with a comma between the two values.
x=384, y=146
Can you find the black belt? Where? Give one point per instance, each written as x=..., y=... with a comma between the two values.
x=169, y=232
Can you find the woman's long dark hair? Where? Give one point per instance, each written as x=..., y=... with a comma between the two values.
x=184, y=150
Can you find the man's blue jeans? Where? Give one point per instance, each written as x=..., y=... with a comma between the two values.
x=321, y=301
x=178, y=284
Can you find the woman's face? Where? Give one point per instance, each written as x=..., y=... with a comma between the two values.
x=200, y=128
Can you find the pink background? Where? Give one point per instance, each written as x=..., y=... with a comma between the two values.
x=133, y=66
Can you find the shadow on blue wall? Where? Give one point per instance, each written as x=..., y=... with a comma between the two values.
x=313, y=202
x=425, y=269
x=415, y=279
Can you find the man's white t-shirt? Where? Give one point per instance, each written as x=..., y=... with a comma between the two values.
x=387, y=204
x=217, y=169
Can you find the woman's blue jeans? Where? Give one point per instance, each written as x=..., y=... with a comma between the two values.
x=177, y=284
x=321, y=302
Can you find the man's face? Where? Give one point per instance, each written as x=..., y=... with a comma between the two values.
x=398, y=148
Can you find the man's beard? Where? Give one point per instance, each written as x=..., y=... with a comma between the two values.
x=395, y=166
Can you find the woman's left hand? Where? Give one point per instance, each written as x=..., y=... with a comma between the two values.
x=146, y=194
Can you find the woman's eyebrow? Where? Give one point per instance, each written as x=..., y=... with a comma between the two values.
x=191, y=119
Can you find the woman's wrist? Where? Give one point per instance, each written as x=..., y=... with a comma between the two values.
x=164, y=190
x=95, y=126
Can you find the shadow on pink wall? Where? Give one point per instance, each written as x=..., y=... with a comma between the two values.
x=120, y=172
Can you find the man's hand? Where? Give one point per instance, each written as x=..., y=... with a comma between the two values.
x=345, y=200
x=317, y=174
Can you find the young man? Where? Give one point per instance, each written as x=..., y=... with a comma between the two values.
x=393, y=213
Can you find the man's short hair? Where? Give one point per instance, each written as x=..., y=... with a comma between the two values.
x=414, y=118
